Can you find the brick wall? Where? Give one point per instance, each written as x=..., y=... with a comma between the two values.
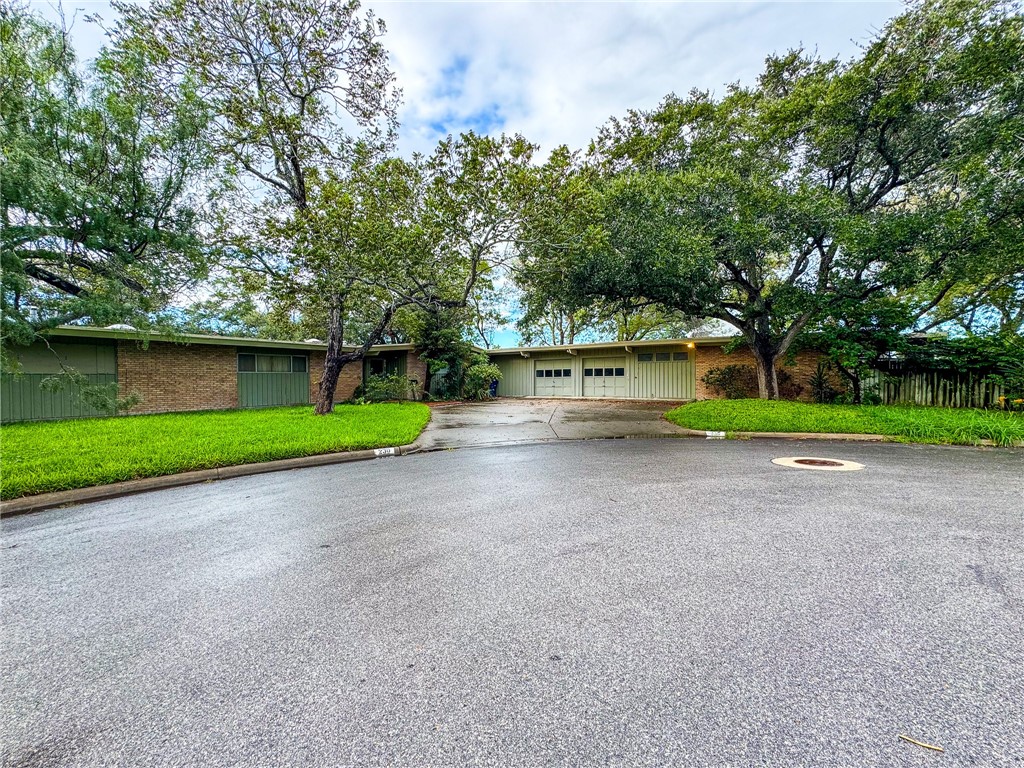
x=416, y=371
x=177, y=377
x=801, y=367
x=350, y=378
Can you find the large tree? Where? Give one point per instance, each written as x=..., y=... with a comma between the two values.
x=426, y=234
x=301, y=92
x=827, y=183
x=98, y=219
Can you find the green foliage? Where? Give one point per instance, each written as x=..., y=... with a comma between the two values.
x=97, y=220
x=822, y=389
x=903, y=423
x=869, y=189
x=738, y=381
x=98, y=451
x=382, y=389
x=478, y=377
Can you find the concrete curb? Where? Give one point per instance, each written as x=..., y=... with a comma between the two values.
x=712, y=435
x=129, y=487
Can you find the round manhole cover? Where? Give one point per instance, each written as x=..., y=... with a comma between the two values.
x=814, y=462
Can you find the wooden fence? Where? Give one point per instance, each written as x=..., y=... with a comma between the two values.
x=942, y=388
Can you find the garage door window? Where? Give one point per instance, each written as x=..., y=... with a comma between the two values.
x=588, y=371
x=556, y=373
x=645, y=358
x=662, y=357
x=680, y=356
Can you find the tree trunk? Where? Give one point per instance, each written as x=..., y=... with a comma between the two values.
x=333, y=362
x=856, y=388
x=767, y=377
x=336, y=359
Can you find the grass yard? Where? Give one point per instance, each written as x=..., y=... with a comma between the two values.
x=59, y=455
x=953, y=426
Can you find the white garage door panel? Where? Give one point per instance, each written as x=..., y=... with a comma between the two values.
x=552, y=378
x=605, y=377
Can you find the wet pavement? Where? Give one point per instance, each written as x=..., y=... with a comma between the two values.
x=510, y=421
x=618, y=602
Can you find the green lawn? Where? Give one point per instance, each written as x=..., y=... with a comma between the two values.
x=59, y=455
x=959, y=426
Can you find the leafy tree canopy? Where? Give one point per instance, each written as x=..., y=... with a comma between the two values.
x=98, y=216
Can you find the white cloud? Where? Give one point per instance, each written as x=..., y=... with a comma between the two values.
x=556, y=71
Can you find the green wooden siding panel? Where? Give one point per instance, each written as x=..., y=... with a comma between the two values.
x=666, y=380
x=22, y=398
x=516, y=376
x=263, y=390
x=84, y=358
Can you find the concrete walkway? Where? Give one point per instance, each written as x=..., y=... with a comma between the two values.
x=508, y=421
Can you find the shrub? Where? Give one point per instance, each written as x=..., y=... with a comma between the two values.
x=478, y=377
x=735, y=382
x=821, y=384
x=380, y=389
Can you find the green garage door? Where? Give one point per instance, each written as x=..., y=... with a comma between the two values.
x=604, y=377
x=269, y=380
x=552, y=378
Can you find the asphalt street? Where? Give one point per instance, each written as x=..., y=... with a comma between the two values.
x=619, y=602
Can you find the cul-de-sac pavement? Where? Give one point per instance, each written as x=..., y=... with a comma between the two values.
x=610, y=602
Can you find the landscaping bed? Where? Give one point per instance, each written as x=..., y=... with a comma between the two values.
x=952, y=426
x=40, y=457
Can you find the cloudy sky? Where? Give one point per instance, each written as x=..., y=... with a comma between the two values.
x=555, y=71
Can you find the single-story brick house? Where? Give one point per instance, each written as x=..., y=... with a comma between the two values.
x=188, y=372
x=191, y=372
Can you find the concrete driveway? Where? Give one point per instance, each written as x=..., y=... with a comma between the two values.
x=509, y=421
x=602, y=603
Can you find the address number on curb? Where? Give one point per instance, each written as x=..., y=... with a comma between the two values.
x=384, y=451
x=715, y=435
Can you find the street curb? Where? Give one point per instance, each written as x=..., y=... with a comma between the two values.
x=712, y=435
x=44, y=501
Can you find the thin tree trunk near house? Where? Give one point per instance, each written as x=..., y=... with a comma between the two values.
x=336, y=358
x=856, y=388
x=333, y=362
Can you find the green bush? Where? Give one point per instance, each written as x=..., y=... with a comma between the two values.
x=736, y=382
x=478, y=378
x=381, y=389
x=821, y=384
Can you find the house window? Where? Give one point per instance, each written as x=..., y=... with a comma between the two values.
x=249, y=362
x=647, y=357
x=680, y=356
x=662, y=357
x=378, y=367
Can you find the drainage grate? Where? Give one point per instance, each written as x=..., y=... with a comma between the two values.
x=814, y=462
